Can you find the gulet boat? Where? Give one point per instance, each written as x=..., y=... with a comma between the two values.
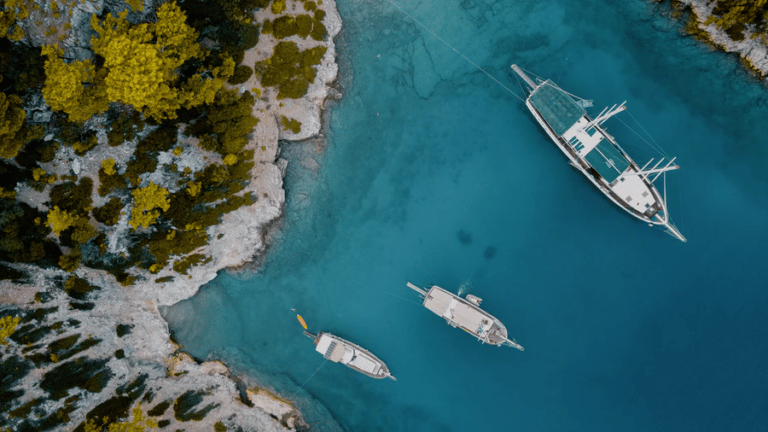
x=466, y=314
x=597, y=155
x=342, y=351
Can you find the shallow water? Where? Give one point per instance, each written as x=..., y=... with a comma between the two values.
x=436, y=174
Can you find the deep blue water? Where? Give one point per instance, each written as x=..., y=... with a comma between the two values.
x=434, y=173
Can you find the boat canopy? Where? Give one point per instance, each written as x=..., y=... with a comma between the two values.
x=364, y=364
x=559, y=110
x=607, y=160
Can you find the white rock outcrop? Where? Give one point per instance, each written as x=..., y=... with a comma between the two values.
x=237, y=240
x=753, y=50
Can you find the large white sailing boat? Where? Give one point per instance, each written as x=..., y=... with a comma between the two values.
x=595, y=153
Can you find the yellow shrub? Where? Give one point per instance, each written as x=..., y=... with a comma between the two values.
x=64, y=89
x=59, y=220
x=278, y=6
x=11, y=119
x=193, y=188
x=230, y=159
x=146, y=202
x=109, y=166
x=39, y=174
x=7, y=327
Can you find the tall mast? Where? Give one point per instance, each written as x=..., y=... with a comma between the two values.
x=600, y=119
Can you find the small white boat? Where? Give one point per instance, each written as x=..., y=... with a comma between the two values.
x=342, y=351
x=597, y=155
x=467, y=315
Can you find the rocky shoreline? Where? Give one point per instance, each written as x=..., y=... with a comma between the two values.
x=752, y=50
x=128, y=355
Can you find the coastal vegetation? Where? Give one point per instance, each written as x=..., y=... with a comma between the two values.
x=290, y=69
x=735, y=16
x=303, y=25
x=291, y=124
x=143, y=78
x=125, y=137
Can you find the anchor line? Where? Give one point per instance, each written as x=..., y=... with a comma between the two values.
x=454, y=49
x=310, y=377
x=401, y=298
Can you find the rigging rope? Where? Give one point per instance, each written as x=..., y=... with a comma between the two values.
x=454, y=49
x=649, y=135
x=656, y=147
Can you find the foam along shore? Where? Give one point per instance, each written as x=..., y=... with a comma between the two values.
x=142, y=355
x=752, y=50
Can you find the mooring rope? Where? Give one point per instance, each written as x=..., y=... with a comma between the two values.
x=454, y=49
x=310, y=377
x=401, y=298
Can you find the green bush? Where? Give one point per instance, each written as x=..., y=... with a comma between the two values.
x=304, y=25
x=267, y=27
x=109, y=213
x=733, y=16
x=292, y=125
x=164, y=244
x=78, y=288
x=7, y=273
x=284, y=26
x=23, y=233
x=71, y=261
x=289, y=69
x=110, y=182
x=249, y=36
x=141, y=163
x=87, y=374
x=226, y=126
x=87, y=142
x=319, y=31
x=72, y=197
x=123, y=329
x=159, y=409
x=183, y=265
x=123, y=126
x=183, y=406
x=287, y=26
x=241, y=75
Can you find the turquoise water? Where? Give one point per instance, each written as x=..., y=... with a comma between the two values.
x=436, y=174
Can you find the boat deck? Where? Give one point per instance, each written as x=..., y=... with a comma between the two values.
x=446, y=305
x=342, y=351
x=559, y=110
